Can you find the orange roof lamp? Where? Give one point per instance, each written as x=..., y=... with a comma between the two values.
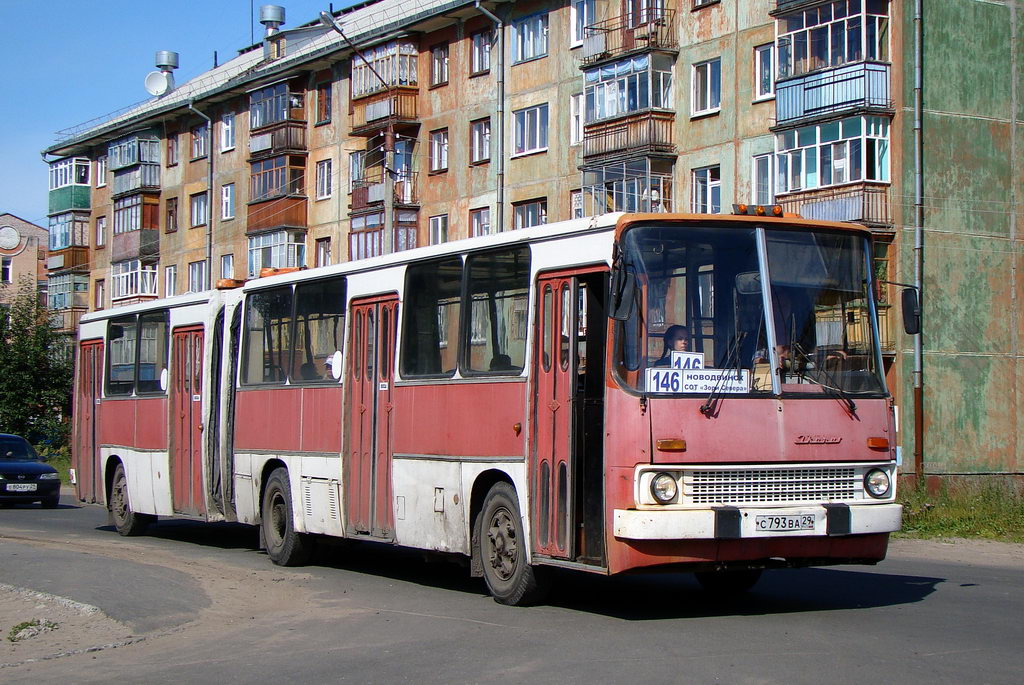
x=758, y=210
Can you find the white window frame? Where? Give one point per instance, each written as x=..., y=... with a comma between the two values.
x=439, y=150
x=227, y=201
x=283, y=248
x=530, y=38
x=198, y=209
x=480, y=221
x=323, y=252
x=526, y=212
x=704, y=203
x=531, y=130
x=761, y=54
x=762, y=163
x=702, y=89
x=837, y=33
x=101, y=171
x=630, y=85
x=439, y=65
x=101, y=231
x=100, y=294
x=171, y=280
x=6, y=269
x=480, y=141
x=132, y=278
x=581, y=15
x=438, y=229
x=576, y=204
x=200, y=138
x=576, y=119
x=227, y=132
x=356, y=168
x=480, y=59
x=227, y=265
x=197, y=276
x=324, y=179
x=801, y=156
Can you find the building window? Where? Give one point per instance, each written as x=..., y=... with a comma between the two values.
x=100, y=294
x=638, y=186
x=707, y=191
x=70, y=229
x=356, y=166
x=631, y=85
x=764, y=76
x=272, y=104
x=480, y=221
x=395, y=61
x=132, y=278
x=439, y=229
x=532, y=213
x=323, y=252
x=529, y=38
x=836, y=152
x=576, y=119
x=127, y=214
x=101, y=171
x=170, y=280
x=277, y=176
x=531, y=134
x=831, y=35
x=198, y=209
x=200, y=141
x=172, y=149
x=279, y=249
x=227, y=201
x=762, y=186
x=101, y=231
x=480, y=141
x=439, y=150
x=324, y=181
x=227, y=266
x=227, y=132
x=480, y=61
x=581, y=16
x=576, y=204
x=439, y=65
x=69, y=172
x=172, y=215
x=7, y=269
x=707, y=87
x=197, y=276
x=323, y=103
x=60, y=290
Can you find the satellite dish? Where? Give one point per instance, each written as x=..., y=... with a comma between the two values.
x=159, y=83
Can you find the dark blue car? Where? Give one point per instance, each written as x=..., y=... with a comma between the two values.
x=23, y=476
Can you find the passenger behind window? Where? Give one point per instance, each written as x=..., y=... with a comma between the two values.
x=677, y=338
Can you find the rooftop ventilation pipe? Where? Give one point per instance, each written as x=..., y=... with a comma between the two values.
x=271, y=16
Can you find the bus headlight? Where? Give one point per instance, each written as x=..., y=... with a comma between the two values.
x=877, y=483
x=664, y=488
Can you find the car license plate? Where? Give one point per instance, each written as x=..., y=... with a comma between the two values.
x=21, y=487
x=784, y=522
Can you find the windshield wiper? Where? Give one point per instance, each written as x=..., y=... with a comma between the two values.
x=731, y=358
x=832, y=386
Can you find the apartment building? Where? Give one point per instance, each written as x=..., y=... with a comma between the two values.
x=22, y=253
x=436, y=120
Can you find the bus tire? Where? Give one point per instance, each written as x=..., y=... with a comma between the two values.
x=727, y=583
x=285, y=546
x=510, y=579
x=127, y=522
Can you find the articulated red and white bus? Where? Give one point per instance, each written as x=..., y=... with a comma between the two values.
x=629, y=392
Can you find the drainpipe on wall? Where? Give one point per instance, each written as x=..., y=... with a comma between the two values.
x=918, y=252
x=500, y=27
x=209, y=195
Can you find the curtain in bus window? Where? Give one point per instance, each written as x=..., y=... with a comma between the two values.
x=121, y=344
x=499, y=284
x=319, y=328
x=430, y=324
x=268, y=336
x=152, y=351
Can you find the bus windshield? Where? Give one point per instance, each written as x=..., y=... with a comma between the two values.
x=700, y=322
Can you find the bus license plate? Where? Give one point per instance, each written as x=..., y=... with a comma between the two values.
x=21, y=487
x=785, y=522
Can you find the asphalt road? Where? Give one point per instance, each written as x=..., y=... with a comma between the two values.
x=198, y=603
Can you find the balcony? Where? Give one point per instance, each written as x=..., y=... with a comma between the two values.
x=134, y=285
x=396, y=106
x=68, y=198
x=865, y=203
x=279, y=138
x=636, y=134
x=861, y=87
x=283, y=212
x=68, y=258
x=653, y=29
x=370, y=191
x=134, y=244
x=140, y=178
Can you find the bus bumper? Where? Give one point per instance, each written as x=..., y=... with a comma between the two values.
x=731, y=523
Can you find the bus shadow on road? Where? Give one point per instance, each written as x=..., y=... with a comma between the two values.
x=215, y=535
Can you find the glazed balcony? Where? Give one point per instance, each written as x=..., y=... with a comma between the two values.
x=68, y=198
x=636, y=134
x=144, y=177
x=279, y=138
x=852, y=88
x=287, y=211
x=368, y=192
x=866, y=203
x=651, y=29
x=399, y=105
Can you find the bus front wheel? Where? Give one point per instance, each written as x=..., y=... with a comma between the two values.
x=285, y=546
x=510, y=579
x=126, y=521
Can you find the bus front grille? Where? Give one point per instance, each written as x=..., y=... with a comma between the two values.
x=770, y=485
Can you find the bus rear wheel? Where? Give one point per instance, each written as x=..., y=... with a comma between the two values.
x=728, y=583
x=127, y=522
x=510, y=579
x=285, y=546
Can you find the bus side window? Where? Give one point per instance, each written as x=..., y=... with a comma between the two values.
x=430, y=323
x=121, y=342
x=319, y=328
x=267, y=346
x=498, y=290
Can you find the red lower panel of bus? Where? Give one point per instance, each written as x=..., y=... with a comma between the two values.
x=463, y=419
x=289, y=420
x=140, y=423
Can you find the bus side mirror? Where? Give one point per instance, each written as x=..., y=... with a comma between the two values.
x=911, y=311
x=623, y=294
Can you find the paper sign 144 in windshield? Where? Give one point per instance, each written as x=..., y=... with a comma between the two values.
x=703, y=381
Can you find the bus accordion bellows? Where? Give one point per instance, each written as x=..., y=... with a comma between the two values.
x=627, y=392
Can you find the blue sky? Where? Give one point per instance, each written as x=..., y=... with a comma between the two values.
x=63, y=63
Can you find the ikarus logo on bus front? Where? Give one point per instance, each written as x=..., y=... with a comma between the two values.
x=818, y=439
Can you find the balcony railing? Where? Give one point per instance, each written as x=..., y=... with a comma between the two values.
x=862, y=86
x=861, y=202
x=642, y=133
x=369, y=191
x=138, y=283
x=392, y=106
x=143, y=177
x=646, y=29
x=282, y=212
x=287, y=136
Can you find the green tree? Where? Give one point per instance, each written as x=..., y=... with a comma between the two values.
x=35, y=369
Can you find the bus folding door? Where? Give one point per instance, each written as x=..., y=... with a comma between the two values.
x=88, y=474
x=368, y=431
x=186, y=422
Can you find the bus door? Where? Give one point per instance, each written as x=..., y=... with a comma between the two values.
x=90, y=383
x=368, y=430
x=566, y=459
x=186, y=422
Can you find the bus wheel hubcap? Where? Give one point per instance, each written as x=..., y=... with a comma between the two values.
x=502, y=537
